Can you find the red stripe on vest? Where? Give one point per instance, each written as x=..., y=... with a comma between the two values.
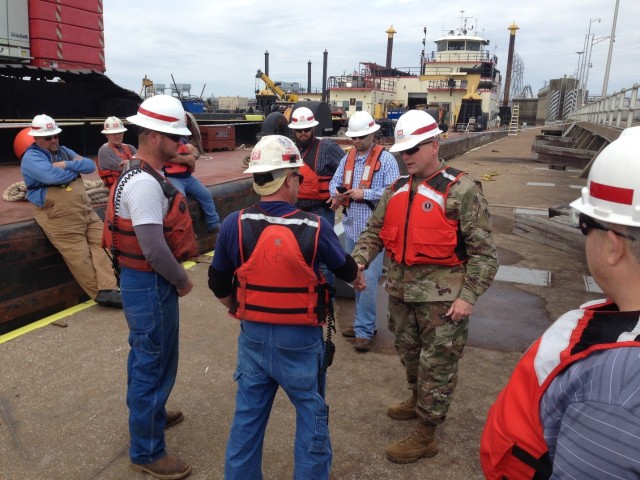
x=610, y=193
x=157, y=116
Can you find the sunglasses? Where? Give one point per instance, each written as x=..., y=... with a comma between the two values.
x=416, y=149
x=300, y=176
x=587, y=223
x=50, y=137
x=302, y=130
x=171, y=136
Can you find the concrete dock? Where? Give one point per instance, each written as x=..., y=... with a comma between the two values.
x=63, y=381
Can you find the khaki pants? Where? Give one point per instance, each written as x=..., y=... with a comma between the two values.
x=75, y=229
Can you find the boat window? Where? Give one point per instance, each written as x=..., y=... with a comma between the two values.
x=456, y=45
x=473, y=46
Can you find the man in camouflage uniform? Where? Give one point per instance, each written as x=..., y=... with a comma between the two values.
x=436, y=274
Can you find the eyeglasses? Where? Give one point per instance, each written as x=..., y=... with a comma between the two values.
x=50, y=137
x=416, y=149
x=587, y=223
x=302, y=130
x=170, y=136
x=300, y=176
x=361, y=137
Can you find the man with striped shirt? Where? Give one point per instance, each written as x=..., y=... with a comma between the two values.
x=572, y=406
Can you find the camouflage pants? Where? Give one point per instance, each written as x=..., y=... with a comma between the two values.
x=429, y=346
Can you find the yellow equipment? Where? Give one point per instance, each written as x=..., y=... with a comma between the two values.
x=274, y=89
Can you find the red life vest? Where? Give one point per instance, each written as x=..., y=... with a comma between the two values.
x=416, y=229
x=174, y=168
x=120, y=238
x=372, y=165
x=109, y=176
x=314, y=186
x=512, y=444
x=276, y=282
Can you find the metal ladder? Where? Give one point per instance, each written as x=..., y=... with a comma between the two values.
x=513, y=124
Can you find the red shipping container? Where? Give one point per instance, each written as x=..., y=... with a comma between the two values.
x=53, y=12
x=221, y=137
x=94, y=6
x=43, y=62
x=52, y=54
x=41, y=29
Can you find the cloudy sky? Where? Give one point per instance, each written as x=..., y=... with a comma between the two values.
x=217, y=46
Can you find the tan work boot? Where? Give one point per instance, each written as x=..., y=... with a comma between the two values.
x=420, y=444
x=168, y=467
x=405, y=410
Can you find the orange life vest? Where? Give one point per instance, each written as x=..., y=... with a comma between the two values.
x=120, y=238
x=416, y=229
x=314, y=186
x=109, y=176
x=171, y=169
x=512, y=444
x=276, y=282
x=372, y=165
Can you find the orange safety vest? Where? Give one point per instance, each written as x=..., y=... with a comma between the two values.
x=314, y=186
x=276, y=282
x=416, y=229
x=512, y=445
x=174, y=168
x=372, y=165
x=109, y=176
x=120, y=238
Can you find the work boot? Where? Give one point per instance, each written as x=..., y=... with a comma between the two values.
x=362, y=344
x=109, y=298
x=350, y=332
x=405, y=410
x=420, y=444
x=168, y=467
x=174, y=417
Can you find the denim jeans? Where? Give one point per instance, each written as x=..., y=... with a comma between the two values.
x=192, y=186
x=364, y=323
x=272, y=356
x=151, y=309
x=330, y=216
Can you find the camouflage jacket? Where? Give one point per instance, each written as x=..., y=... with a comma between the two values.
x=435, y=283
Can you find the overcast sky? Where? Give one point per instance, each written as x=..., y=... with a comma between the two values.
x=218, y=46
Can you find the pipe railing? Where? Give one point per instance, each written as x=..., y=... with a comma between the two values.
x=620, y=109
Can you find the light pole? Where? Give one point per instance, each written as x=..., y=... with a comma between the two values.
x=586, y=64
x=594, y=41
x=578, y=79
x=611, y=40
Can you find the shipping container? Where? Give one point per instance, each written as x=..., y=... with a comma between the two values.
x=94, y=6
x=40, y=9
x=14, y=31
x=222, y=137
x=44, y=30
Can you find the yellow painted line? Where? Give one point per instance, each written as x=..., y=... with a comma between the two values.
x=45, y=321
x=65, y=313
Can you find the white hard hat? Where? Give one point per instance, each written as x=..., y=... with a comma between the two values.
x=162, y=113
x=361, y=124
x=612, y=193
x=43, y=126
x=413, y=127
x=113, y=125
x=302, y=117
x=274, y=152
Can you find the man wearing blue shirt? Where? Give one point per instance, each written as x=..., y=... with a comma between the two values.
x=63, y=210
x=357, y=185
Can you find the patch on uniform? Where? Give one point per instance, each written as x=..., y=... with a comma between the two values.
x=427, y=206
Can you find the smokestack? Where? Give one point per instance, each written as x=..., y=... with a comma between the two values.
x=512, y=41
x=309, y=76
x=324, y=76
x=266, y=62
x=390, y=33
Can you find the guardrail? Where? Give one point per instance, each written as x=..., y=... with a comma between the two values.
x=620, y=109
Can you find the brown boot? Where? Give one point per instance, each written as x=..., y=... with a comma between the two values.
x=405, y=410
x=420, y=444
x=174, y=417
x=168, y=467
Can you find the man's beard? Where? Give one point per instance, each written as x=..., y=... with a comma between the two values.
x=306, y=143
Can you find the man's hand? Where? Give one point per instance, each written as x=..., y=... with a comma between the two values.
x=459, y=310
x=335, y=202
x=355, y=194
x=185, y=290
x=360, y=283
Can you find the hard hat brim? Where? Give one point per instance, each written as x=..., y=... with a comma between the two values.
x=48, y=133
x=115, y=130
x=297, y=126
x=362, y=133
x=411, y=142
x=143, y=121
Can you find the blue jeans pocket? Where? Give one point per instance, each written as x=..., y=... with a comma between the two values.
x=300, y=366
x=250, y=355
x=320, y=442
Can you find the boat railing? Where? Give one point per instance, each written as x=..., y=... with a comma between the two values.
x=379, y=84
x=462, y=56
x=447, y=84
x=620, y=109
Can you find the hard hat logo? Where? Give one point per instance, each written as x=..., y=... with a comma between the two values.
x=274, y=152
x=412, y=128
